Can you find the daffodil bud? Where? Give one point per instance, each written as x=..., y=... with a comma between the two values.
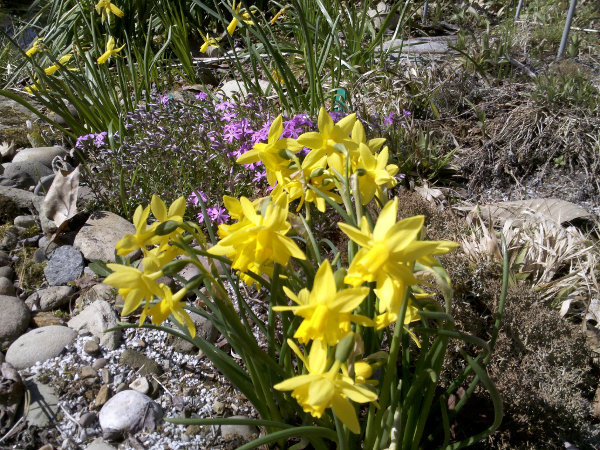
x=174, y=267
x=344, y=347
x=338, y=276
x=317, y=172
x=340, y=148
x=166, y=227
x=286, y=154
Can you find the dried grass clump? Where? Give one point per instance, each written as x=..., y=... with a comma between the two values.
x=561, y=263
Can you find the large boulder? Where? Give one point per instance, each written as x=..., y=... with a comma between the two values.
x=98, y=237
x=40, y=344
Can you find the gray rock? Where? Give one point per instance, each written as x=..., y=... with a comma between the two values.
x=4, y=259
x=98, y=237
x=22, y=198
x=140, y=385
x=99, y=291
x=40, y=344
x=6, y=287
x=13, y=121
x=50, y=298
x=10, y=239
x=232, y=89
x=140, y=362
x=13, y=320
x=247, y=432
x=380, y=13
x=422, y=46
x=204, y=329
x=44, y=404
x=87, y=419
x=7, y=272
x=91, y=347
x=96, y=318
x=127, y=412
x=99, y=444
x=45, y=155
x=99, y=363
x=25, y=221
x=23, y=175
x=66, y=264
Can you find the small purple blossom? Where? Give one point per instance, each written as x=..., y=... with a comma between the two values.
x=201, y=96
x=193, y=198
x=389, y=118
x=217, y=214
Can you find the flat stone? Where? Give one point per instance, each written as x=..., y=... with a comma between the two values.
x=140, y=385
x=99, y=363
x=232, y=89
x=246, y=432
x=44, y=404
x=100, y=444
x=45, y=155
x=6, y=287
x=421, y=46
x=102, y=396
x=22, y=198
x=88, y=372
x=23, y=175
x=7, y=272
x=87, y=419
x=91, y=347
x=50, y=298
x=96, y=318
x=13, y=320
x=25, y=221
x=140, y=362
x=45, y=318
x=66, y=264
x=40, y=344
x=13, y=121
x=127, y=412
x=204, y=329
x=99, y=236
x=99, y=291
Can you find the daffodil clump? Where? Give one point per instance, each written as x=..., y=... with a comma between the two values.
x=341, y=315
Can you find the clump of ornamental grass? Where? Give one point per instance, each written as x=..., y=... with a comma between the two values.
x=351, y=348
x=184, y=148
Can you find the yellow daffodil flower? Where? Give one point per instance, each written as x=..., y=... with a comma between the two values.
x=176, y=210
x=280, y=13
x=322, y=388
x=172, y=304
x=110, y=50
x=322, y=142
x=262, y=239
x=327, y=312
x=61, y=62
x=144, y=234
x=37, y=46
x=391, y=249
x=106, y=8
x=246, y=17
x=30, y=89
x=374, y=173
x=208, y=42
x=269, y=153
x=134, y=285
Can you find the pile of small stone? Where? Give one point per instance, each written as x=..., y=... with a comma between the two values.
x=88, y=387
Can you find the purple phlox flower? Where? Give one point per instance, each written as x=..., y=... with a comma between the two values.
x=262, y=134
x=82, y=139
x=259, y=176
x=99, y=139
x=389, y=118
x=217, y=214
x=232, y=131
x=406, y=113
x=302, y=120
x=400, y=176
x=224, y=106
x=201, y=96
x=193, y=198
x=164, y=99
x=337, y=115
x=228, y=116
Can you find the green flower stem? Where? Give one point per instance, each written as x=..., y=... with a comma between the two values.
x=341, y=435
